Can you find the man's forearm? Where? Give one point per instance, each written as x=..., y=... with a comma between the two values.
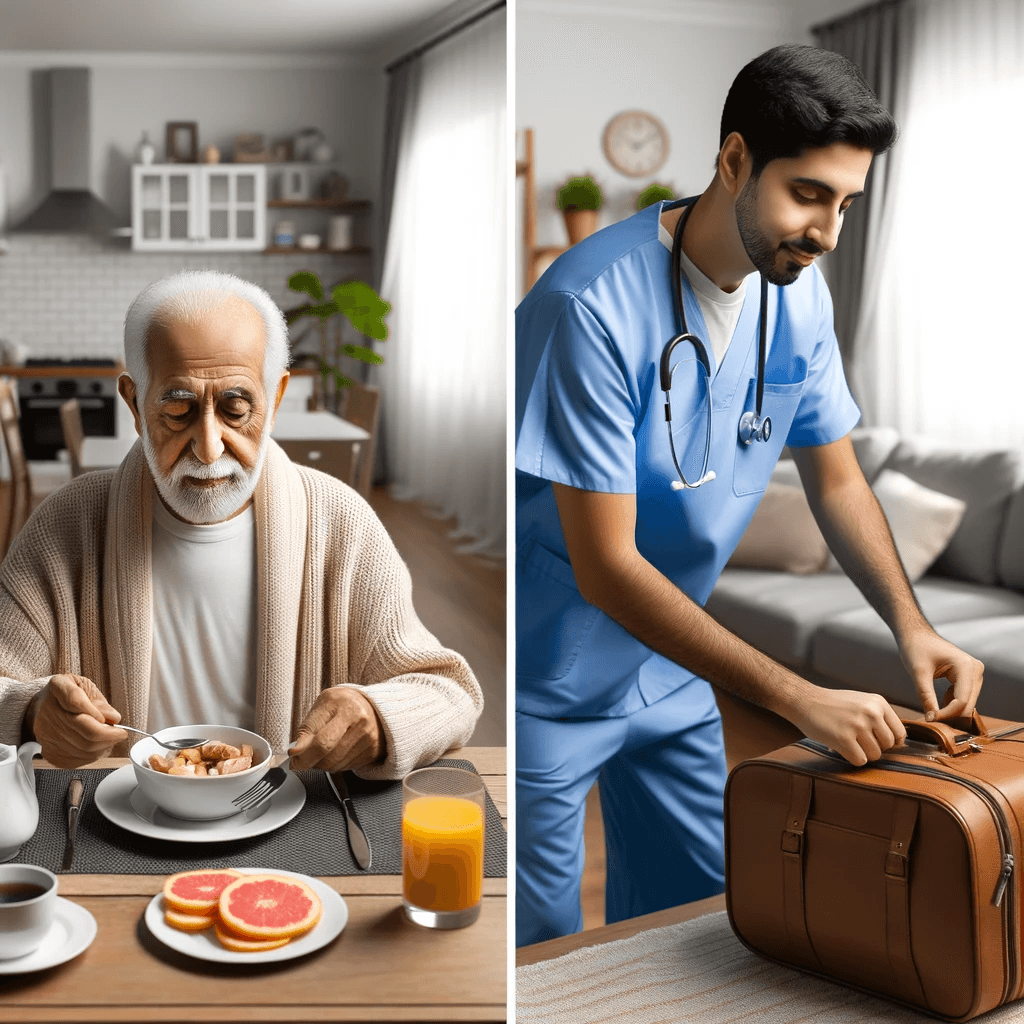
x=857, y=532
x=650, y=607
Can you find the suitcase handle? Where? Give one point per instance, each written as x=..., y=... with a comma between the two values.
x=951, y=740
x=974, y=725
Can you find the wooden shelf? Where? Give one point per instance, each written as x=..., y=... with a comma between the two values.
x=319, y=204
x=356, y=250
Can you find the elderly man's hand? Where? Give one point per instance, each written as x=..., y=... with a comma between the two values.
x=341, y=731
x=73, y=722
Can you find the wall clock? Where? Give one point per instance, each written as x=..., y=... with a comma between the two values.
x=635, y=143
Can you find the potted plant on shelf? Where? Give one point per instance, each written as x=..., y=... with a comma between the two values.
x=355, y=301
x=654, y=193
x=579, y=199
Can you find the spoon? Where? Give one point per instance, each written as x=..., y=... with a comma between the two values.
x=185, y=744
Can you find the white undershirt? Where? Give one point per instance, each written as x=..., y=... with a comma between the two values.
x=204, y=621
x=720, y=309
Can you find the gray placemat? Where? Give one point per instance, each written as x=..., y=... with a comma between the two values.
x=314, y=842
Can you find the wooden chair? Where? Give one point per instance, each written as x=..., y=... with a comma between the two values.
x=339, y=458
x=74, y=437
x=362, y=407
x=20, y=504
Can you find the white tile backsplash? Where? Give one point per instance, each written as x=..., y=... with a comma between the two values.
x=66, y=295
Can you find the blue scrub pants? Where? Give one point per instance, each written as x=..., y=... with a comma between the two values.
x=662, y=775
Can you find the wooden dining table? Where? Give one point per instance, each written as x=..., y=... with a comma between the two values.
x=381, y=968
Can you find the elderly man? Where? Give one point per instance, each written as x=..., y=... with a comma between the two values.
x=209, y=579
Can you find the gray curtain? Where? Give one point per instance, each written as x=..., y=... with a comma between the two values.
x=875, y=38
x=398, y=97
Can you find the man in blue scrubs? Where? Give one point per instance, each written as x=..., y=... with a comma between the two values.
x=614, y=563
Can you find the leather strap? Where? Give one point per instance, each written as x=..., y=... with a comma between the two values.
x=801, y=789
x=897, y=901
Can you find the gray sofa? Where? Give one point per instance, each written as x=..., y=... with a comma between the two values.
x=821, y=626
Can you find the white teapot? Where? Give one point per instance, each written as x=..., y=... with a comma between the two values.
x=19, y=809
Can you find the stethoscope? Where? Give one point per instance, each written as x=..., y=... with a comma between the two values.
x=753, y=427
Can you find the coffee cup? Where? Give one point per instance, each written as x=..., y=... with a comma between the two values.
x=28, y=900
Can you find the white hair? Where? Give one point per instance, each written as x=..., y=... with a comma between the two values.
x=186, y=297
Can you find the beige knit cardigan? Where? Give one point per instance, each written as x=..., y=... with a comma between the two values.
x=334, y=608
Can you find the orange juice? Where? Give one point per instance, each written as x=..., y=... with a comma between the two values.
x=442, y=852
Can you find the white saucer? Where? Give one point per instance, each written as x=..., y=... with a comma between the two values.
x=72, y=931
x=114, y=799
x=205, y=945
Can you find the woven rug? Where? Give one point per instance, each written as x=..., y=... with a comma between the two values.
x=314, y=842
x=697, y=972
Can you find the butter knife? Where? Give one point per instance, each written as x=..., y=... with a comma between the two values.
x=357, y=841
x=74, y=805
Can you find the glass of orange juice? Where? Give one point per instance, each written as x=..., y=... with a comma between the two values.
x=442, y=846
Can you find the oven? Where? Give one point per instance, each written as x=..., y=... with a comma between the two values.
x=40, y=398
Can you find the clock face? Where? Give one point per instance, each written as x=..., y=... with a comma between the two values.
x=636, y=143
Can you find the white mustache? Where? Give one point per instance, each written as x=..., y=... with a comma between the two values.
x=189, y=466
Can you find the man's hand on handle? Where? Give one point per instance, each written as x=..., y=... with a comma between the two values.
x=860, y=726
x=341, y=731
x=927, y=657
x=73, y=722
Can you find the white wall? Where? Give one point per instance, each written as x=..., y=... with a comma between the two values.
x=225, y=95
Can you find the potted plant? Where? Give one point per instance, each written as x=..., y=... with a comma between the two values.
x=654, y=193
x=356, y=302
x=579, y=199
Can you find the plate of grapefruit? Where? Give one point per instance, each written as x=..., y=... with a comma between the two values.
x=245, y=915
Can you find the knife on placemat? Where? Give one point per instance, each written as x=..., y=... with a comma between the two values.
x=73, y=801
x=357, y=841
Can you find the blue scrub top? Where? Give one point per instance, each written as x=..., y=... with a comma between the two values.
x=590, y=414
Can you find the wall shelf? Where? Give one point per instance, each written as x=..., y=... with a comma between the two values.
x=320, y=204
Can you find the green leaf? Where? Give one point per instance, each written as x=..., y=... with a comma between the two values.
x=363, y=307
x=367, y=355
x=306, y=281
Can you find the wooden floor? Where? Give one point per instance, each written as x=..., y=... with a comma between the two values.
x=749, y=731
x=459, y=598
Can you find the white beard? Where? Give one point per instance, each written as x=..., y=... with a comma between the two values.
x=205, y=505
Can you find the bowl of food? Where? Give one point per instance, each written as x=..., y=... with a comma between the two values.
x=200, y=783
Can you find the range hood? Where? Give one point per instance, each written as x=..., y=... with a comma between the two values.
x=70, y=208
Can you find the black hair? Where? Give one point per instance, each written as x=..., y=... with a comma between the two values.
x=793, y=98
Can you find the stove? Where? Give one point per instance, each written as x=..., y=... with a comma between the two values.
x=40, y=399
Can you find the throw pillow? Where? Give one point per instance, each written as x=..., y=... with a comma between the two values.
x=922, y=521
x=782, y=534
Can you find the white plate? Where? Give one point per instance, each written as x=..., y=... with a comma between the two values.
x=72, y=931
x=205, y=945
x=114, y=799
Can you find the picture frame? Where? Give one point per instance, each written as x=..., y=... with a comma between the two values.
x=182, y=142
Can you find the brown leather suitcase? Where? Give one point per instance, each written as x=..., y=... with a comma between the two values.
x=900, y=878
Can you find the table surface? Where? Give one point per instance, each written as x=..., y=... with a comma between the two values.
x=103, y=452
x=541, y=951
x=381, y=968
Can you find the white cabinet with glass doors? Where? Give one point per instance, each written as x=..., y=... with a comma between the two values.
x=209, y=207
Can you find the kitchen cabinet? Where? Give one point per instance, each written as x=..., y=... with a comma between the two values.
x=192, y=207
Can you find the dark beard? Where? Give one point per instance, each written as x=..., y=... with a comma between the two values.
x=759, y=249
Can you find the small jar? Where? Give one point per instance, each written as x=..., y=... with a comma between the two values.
x=284, y=233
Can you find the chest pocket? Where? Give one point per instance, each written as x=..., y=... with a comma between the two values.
x=552, y=619
x=755, y=461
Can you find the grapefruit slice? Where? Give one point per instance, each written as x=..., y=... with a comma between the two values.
x=265, y=907
x=188, y=922
x=197, y=892
x=240, y=945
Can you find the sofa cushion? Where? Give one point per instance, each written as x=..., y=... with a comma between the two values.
x=984, y=480
x=873, y=446
x=779, y=612
x=1011, y=550
x=856, y=649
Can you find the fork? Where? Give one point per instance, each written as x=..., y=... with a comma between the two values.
x=261, y=791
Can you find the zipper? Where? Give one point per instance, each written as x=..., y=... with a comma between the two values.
x=1002, y=828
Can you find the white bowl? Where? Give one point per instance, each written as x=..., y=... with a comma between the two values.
x=203, y=798
x=309, y=241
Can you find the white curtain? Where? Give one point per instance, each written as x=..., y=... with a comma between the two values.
x=445, y=276
x=940, y=346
